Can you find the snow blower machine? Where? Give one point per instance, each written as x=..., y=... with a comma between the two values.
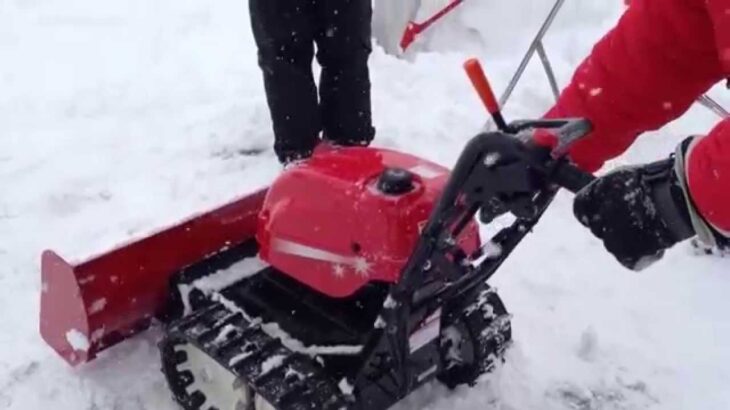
x=356, y=277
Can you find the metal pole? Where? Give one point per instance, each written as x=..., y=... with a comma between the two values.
x=537, y=46
x=713, y=106
x=548, y=70
x=536, y=43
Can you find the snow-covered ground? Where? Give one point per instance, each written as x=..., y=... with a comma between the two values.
x=117, y=118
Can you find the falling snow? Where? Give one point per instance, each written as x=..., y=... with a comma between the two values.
x=491, y=159
x=97, y=306
x=131, y=103
x=595, y=92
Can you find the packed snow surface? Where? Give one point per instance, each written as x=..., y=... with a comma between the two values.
x=118, y=118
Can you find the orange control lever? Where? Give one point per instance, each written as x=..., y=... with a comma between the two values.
x=479, y=80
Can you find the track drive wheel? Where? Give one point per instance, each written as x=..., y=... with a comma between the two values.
x=474, y=337
x=198, y=382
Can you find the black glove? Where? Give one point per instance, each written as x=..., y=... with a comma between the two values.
x=638, y=212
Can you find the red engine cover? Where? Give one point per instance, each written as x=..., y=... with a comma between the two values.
x=327, y=224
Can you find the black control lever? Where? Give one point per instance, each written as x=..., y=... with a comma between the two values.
x=551, y=162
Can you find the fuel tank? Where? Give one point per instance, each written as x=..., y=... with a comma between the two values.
x=349, y=216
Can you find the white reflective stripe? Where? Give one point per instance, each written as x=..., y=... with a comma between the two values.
x=427, y=171
x=297, y=249
x=427, y=373
x=361, y=265
x=430, y=329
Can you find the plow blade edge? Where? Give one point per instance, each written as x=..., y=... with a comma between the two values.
x=93, y=305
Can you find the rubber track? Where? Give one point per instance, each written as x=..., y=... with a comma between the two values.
x=286, y=379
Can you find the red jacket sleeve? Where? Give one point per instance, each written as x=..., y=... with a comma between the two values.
x=644, y=73
x=708, y=161
x=708, y=175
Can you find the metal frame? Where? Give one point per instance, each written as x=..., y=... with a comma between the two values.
x=537, y=46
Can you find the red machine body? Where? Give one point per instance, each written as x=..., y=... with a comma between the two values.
x=350, y=216
x=325, y=223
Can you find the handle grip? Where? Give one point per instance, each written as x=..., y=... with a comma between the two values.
x=571, y=177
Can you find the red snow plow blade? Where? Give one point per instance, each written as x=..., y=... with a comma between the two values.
x=90, y=306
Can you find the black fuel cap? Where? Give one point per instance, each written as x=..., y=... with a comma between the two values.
x=395, y=181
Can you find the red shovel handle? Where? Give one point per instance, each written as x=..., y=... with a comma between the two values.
x=414, y=29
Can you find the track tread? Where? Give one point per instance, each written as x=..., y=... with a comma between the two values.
x=295, y=382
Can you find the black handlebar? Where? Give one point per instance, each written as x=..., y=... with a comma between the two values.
x=571, y=177
x=566, y=132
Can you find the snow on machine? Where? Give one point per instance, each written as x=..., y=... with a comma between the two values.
x=355, y=278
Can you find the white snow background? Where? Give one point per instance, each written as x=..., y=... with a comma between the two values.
x=117, y=118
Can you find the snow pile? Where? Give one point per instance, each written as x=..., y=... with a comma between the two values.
x=291, y=343
x=222, y=279
x=117, y=118
x=77, y=340
x=272, y=363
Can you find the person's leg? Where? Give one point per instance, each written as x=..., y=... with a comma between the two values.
x=284, y=34
x=343, y=39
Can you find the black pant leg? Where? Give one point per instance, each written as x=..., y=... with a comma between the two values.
x=284, y=34
x=343, y=39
